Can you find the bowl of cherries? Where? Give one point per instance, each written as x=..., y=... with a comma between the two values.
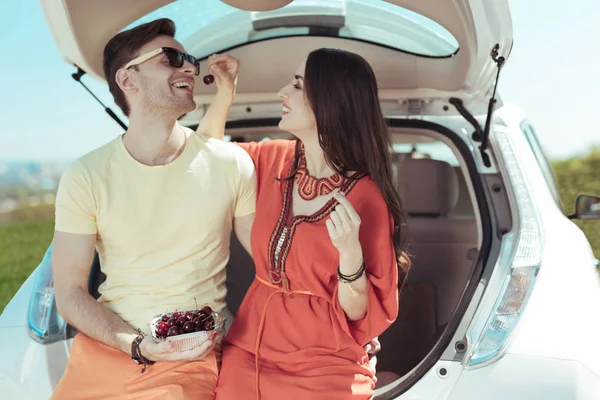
x=187, y=330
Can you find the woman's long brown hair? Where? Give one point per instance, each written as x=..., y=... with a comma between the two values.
x=342, y=91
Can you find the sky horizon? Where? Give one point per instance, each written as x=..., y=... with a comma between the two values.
x=47, y=116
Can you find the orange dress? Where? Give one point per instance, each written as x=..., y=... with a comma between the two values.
x=290, y=338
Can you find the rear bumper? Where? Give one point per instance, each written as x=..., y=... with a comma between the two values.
x=29, y=370
x=524, y=377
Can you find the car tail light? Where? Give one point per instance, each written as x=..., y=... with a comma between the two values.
x=519, y=261
x=43, y=320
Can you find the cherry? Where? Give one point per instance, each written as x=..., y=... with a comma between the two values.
x=200, y=314
x=162, y=331
x=208, y=79
x=199, y=324
x=165, y=317
x=181, y=320
x=171, y=322
x=162, y=324
x=176, y=315
x=206, y=310
x=209, y=324
x=189, y=327
x=189, y=315
x=173, y=331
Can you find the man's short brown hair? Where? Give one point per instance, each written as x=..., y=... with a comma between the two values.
x=124, y=47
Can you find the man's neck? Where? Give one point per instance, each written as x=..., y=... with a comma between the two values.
x=154, y=140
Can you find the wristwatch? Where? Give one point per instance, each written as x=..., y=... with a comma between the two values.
x=136, y=354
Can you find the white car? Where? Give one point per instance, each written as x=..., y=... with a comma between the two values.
x=502, y=301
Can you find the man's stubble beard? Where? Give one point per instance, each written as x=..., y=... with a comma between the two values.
x=159, y=101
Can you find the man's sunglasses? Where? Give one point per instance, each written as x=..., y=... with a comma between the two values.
x=175, y=57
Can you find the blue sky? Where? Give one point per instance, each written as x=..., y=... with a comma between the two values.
x=552, y=74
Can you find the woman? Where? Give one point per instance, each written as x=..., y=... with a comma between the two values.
x=326, y=245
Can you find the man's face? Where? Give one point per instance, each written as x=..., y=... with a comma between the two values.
x=162, y=88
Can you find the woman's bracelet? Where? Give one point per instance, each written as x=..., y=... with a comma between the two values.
x=353, y=277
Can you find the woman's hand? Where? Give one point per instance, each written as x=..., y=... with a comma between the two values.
x=343, y=226
x=372, y=348
x=225, y=70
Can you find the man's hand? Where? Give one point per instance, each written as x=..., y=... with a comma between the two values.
x=225, y=70
x=372, y=348
x=155, y=350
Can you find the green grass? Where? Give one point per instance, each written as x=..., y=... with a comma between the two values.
x=22, y=246
x=580, y=176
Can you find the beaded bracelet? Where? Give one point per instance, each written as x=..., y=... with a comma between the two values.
x=353, y=277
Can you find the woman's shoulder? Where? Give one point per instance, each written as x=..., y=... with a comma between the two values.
x=272, y=146
x=269, y=151
x=366, y=187
x=370, y=204
x=366, y=194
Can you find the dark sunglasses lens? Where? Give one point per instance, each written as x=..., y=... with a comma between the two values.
x=194, y=61
x=175, y=58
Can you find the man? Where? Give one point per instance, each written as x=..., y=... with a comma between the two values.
x=158, y=204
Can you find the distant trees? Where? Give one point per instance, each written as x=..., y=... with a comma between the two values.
x=576, y=176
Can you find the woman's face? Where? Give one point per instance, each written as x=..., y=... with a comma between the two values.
x=297, y=115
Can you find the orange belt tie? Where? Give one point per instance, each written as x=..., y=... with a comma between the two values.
x=262, y=321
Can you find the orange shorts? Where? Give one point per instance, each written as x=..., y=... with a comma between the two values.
x=98, y=371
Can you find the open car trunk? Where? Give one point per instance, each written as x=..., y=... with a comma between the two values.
x=419, y=69
x=419, y=49
x=433, y=170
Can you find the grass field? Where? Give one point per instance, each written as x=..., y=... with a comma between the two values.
x=22, y=246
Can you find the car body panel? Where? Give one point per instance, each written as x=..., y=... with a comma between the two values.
x=81, y=28
x=552, y=354
x=556, y=330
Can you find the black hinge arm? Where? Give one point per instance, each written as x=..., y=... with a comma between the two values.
x=482, y=135
x=488, y=122
x=77, y=76
x=460, y=107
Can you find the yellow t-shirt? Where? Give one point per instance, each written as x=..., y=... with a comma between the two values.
x=162, y=232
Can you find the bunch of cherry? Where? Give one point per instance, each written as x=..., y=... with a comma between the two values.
x=181, y=322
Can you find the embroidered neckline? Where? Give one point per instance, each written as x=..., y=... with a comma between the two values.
x=281, y=238
x=310, y=187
